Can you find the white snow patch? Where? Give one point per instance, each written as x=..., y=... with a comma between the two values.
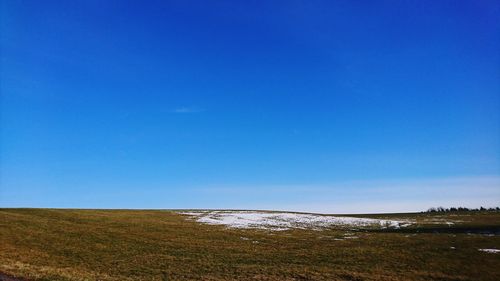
x=492, y=251
x=284, y=221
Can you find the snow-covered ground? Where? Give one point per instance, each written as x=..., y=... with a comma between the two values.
x=492, y=251
x=284, y=221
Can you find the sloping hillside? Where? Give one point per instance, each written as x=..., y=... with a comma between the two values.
x=47, y=244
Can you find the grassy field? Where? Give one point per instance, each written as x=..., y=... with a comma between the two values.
x=48, y=244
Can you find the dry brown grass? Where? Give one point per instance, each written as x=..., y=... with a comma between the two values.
x=45, y=244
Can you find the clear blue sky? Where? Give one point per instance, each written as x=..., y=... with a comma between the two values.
x=328, y=106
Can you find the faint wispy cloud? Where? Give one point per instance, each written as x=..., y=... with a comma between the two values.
x=186, y=109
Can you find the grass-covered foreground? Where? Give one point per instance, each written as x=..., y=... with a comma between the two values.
x=44, y=244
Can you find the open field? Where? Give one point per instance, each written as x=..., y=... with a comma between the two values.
x=49, y=244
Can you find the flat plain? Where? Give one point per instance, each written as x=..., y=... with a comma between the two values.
x=58, y=244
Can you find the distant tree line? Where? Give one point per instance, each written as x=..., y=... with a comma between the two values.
x=461, y=209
